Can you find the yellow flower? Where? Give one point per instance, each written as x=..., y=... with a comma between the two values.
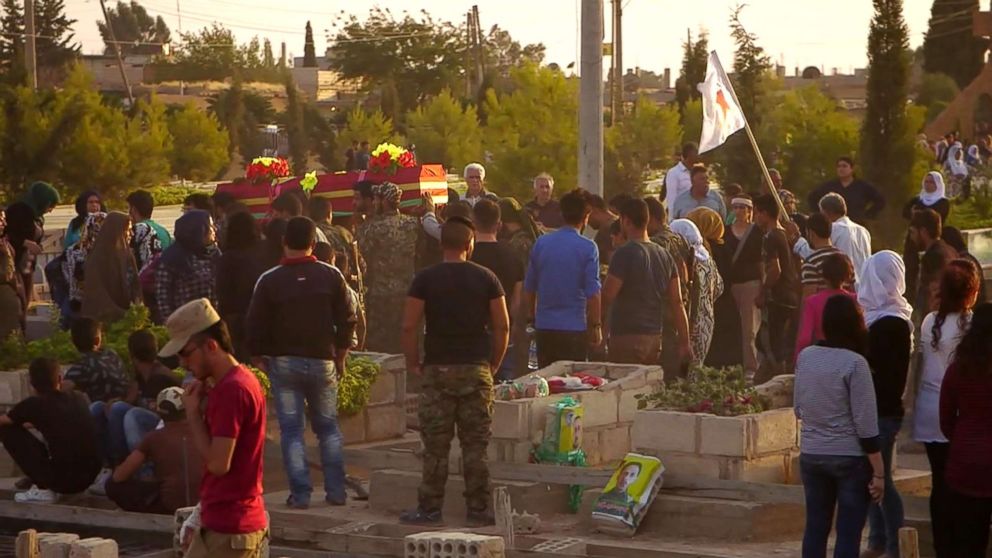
x=309, y=181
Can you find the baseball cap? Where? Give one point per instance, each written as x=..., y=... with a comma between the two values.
x=188, y=320
x=170, y=401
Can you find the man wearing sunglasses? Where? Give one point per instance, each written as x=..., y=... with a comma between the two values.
x=225, y=408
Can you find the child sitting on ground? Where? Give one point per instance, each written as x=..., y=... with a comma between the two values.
x=99, y=373
x=66, y=458
x=177, y=464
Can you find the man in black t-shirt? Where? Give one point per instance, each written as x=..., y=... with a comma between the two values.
x=781, y=290
x=642, y=285
x=69, y=457
x=467, y=333
x=501, y=259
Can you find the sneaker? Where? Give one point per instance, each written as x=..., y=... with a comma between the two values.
x=35, y=495
x=296, y=503
x=480, y=518
x=355, y=484
x=99, y=486
x=421, y=517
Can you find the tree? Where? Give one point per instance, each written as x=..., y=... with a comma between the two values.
x=149, y=143
x=268, y=59
x=136, y=31
x=322, y=137
x=754, y=84
x=532, y=129
x=692, y=121
x=949, y=46
x=444, y=132
x=213, y=54
x=649, y=133
x=309, y=49
x=241, y=113
x=54, y=44
x=411, y=60
x=887, y=143
x=694, y=56
x=935, y=92
x=200, y=149
x=298, y=144
x=814, y=130
x=374, y=127
x=11, y=32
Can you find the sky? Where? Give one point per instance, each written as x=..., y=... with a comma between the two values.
x=827, y=34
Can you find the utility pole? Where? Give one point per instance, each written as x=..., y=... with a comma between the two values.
x=618, y=59
x=591, y=98
x=480, y=64
x=30, y=54
x=117, y=52
x=469, y=46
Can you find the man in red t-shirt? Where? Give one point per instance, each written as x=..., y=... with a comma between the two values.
x=229, y=434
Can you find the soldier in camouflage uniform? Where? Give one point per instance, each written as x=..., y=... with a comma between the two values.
x=388, y=243
x=467, y=334
x=520, y=231
x=340, y=238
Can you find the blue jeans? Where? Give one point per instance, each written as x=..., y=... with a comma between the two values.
x=885, y=520
x=305, y=384
x=831, y=481
x=110, y=430
x=137, y=423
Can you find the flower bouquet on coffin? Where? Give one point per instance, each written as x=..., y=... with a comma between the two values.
x=264, y=170
x=388, y=158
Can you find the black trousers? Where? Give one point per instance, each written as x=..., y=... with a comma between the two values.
x=553, y=346
x=970, y=519
x=941, y=510
x=32, y=456
x=137, y=496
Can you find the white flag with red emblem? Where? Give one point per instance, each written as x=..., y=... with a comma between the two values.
x=722, y=116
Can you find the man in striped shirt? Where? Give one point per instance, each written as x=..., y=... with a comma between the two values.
x=818, y=229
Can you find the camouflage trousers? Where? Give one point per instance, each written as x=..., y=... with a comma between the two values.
x=462, y=396
x=383, y=315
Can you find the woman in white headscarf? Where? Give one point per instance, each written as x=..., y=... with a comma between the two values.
x=933, y=195
x=973, y=158
x=890, y=341
x=957, y=169
x=707, y=287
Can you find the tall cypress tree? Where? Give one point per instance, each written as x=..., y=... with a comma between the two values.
x=309, y=50
x=886, y=144
x=55, y=45
x=11, y=32
x=694, y=56
x=949, y=46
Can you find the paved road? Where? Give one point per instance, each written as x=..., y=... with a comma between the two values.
x=165, y=215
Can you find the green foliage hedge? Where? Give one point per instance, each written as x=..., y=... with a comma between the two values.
x=718, y=391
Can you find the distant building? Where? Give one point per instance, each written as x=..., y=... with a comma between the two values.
x=107, y=75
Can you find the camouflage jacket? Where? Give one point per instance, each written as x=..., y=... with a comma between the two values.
x=389, y=244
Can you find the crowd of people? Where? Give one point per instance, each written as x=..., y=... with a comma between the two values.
x=696, y=276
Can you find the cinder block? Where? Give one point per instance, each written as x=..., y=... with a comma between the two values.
x=55, y=545
x=773, y=431
x=614, y=443
x=724, y=435
x=417, y=545
x=592, y=446
x=93, y=548
x=14, y=387
x=511, y=420
x=767, y=469
x=665, y=431
x=466, y=545
x=353, y=428
x=691, y=465
x=384, y=422
x=627, y=407
x=599, y=408
x=383, y=389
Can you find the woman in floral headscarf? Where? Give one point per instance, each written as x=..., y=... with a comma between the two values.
x=707, y=288
x=75, y=261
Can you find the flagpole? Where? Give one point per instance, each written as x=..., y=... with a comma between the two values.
x=754, y=144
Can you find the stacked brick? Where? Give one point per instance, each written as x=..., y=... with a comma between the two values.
x=453, y=545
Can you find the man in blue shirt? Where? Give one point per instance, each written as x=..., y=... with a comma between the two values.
x=699, y=195
x=563, y=288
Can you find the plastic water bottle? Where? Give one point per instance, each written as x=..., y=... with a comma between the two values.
x=532, y=351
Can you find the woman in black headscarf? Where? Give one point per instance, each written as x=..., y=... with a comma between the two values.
x=87, y=203
x=26, y=229
x=187, y=269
